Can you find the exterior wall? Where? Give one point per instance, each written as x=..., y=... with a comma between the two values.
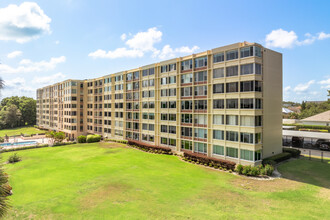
x=130, y=104
x=272, y=115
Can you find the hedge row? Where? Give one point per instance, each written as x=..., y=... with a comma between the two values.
x=91, y=138
x=24, y=148
x=277, y=158
x=150, y=148
x=117, y=141
x=313, y=127
x=82, y=139
x=209, y=161
x=64, y=143
x=292, y=151
x=255, y=171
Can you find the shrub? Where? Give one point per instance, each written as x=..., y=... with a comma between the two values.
x=269, y=169
x=277, y=158
x=2, y=140
x=239, y=168
x=292, y=151
x=82, y=139
x=64, y=143
x=150, y=148
x=203, y=159
x=117, y=141
x=246, y=170
x=23, y=148
x=93, y=138
x=14, y=158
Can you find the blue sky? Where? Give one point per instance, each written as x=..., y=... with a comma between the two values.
x=42, y=42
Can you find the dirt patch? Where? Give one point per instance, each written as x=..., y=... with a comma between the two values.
x=275, y=185
x=324, y=193
x=111, y=145
x=111, y=192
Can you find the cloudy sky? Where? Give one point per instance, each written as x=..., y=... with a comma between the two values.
x=42, y=42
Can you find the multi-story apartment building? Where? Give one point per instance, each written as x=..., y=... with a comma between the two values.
x=225, y=103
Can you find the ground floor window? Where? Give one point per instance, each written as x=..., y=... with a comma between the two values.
x=246, y=154
x=200, y=147
x=187, y=145
x=257, y=155
x=219, y=150
x=232, y=152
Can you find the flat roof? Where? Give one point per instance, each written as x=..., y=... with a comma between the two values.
x=307, y=134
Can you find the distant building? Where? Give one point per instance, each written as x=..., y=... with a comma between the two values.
x=319, y=119
x=286, y=111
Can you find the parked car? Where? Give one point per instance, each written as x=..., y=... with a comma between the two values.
x=322, y=144
x=297, y=141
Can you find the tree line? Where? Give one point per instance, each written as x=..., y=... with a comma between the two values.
x=309, y=109
x=17, y=111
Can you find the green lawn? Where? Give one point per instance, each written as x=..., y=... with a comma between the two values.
x=108, y=181
x=18, y=131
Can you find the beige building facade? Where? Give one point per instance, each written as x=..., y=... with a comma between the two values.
x=225, y=103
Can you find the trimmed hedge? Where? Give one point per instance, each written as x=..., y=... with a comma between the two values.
x=313, y=127
x=93, y=138
x=209, y=161
x=292, y=151
x=63, y=143
x=82, y=139
x=255, y=171
x=150, y=148
x=277, y=158
x=24, y=148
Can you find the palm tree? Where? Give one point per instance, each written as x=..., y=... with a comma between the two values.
x=5, y=189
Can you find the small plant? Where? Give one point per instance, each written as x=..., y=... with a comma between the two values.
x=2, y=139
x=14, y=158
x=269, y=169
x=82, y=139
x=239, y=168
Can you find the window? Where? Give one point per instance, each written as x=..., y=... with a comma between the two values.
x=232, y=87
x=186, y=65
x=163, y=80
x=232, y=54
x=247, y=69
x=251, y=121
x=129, y=76
x=172, y=117
x=151, y=116
x=231, y=119
x=172, y=67
x=201, y=105
x=186, y=92
x=145, y=115
x=232, y=152
x=219, y=150
x=186, y=105
x=172, y=129
x=172, y=104
x=258, y=68
x=247, y=138
x=218, y=119
x=186, y=132
x=257, y=155
x=163, y=140
x=200, y=62
x=248, y=86
x=246, y=52
x=232, y=136
x=144, y=127
x=186, y=145
x=201, y=76
x=200, y=119
x=218, y=73
x=186, y=78
x=200, y=147
x=219, y=57
x=163, y=128
x=231, y=71
x=136, y=75
x=151, y=82
x=218, y=134
x=258, y=104
x=232, y=103
x=172, y=92
x=186, y=118
x=163, y=104
x=218, y=104
x=257, y=139
x=218, y=88
x=200, y=90
x=172, y=142
x=163, y=117
x=246, y=155
x=200, y=133
x=171, y=79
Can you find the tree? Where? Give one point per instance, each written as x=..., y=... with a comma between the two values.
x=5, y=188
x=59, y=136
x=2, y=84
x=51, y=136
x=13, y=116
x=303, y=105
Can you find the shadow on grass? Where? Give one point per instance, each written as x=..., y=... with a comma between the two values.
x=311, y=171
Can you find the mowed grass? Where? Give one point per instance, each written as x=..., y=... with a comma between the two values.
x=21, y=130
x=111, y=181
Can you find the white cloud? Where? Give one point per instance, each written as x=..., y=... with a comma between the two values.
x=27, y=66
x=50, y=79
x=57, y=42
x=303, y=87
x=325, y=83
x=14, y=54
x=123, y=37
x=118, y=53
x=167, y=52
x=24, y=22
x=285, y=39
x=141, y=43
x=287, y=89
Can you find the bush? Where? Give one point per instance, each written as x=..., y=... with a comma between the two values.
x=292, y=151
x=150, y=148
x=277, y=158
x=203, y=159
x=64, y=143
x=14, y=158
x=269, y=169
x=24, y=148
x=239, y=169
x=82, y=139
x=93, y=138
x=2, y=140
x=117, y=141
